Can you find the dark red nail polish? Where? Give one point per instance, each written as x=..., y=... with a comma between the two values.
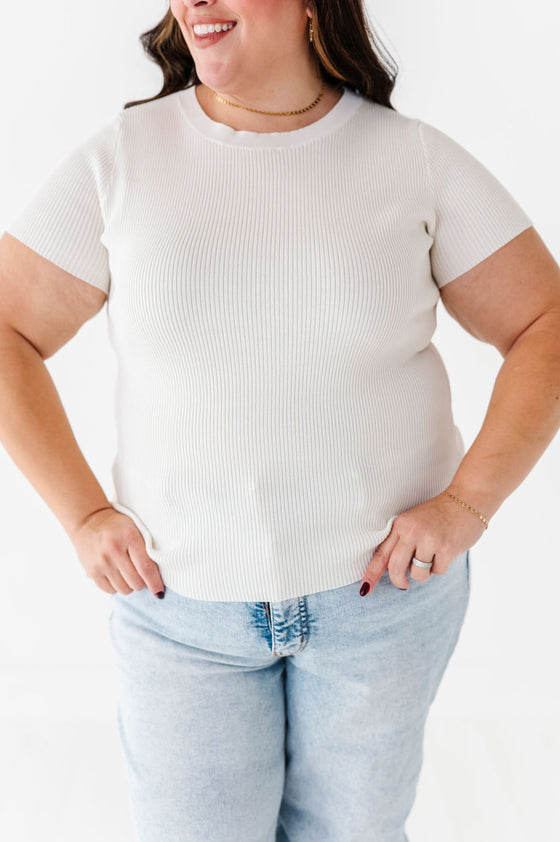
x=160, y=594
x=364, y=589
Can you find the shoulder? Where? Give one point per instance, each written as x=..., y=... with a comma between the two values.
x=155, y=112
x=383, y=120
x=135, y=131
x=384, y=133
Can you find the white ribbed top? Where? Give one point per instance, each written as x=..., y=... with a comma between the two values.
x=271, y=303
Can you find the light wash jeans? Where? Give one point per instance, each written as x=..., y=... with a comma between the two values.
x=293, y=721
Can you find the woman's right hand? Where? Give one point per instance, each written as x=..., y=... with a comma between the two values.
x=112, y=551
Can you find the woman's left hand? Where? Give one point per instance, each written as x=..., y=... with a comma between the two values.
x=438, y=529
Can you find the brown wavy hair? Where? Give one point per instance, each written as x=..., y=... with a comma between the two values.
x=347, y=49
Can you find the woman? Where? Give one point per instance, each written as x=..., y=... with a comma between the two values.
x=272, y=238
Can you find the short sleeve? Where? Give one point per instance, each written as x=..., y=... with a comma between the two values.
x=65, y=218
x=474, y=214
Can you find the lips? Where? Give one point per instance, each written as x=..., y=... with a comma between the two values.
x=208, y=21
x=212, y=37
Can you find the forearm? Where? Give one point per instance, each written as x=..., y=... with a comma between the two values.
x=523, y=417
x=36, y=433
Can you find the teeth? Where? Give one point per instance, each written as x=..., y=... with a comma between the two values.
x=206, y=29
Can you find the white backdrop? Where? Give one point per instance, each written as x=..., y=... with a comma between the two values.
x=486, y=73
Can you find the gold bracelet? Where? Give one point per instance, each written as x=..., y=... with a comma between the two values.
x=470, y=508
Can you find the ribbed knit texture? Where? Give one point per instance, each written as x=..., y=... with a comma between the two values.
x=271, y=303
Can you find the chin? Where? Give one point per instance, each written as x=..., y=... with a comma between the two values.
x=217, y=81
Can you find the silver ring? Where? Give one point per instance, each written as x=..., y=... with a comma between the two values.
x=419, y=563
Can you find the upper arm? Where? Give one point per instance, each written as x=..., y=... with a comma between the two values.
x=54, y=261
x=41, y=301
x=501, y=296
x=494, y=273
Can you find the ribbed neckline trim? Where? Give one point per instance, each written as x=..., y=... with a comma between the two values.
x=346, y=106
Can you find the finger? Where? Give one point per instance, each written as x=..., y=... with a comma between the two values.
x=421, y=574
x=105, y=573
x=118, y=583
x=378, y=563
x=129, y=572
x=104, y=584
x=146, y=567
x=110, y=581
x=399, y=564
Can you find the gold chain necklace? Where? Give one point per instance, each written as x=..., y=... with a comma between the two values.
x=278, y=113
x=274, y=113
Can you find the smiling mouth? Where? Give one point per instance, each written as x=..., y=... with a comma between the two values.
x=213, y=36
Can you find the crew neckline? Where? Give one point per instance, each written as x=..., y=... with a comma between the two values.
x=341, y=111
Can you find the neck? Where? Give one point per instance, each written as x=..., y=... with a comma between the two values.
x=269, y=99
